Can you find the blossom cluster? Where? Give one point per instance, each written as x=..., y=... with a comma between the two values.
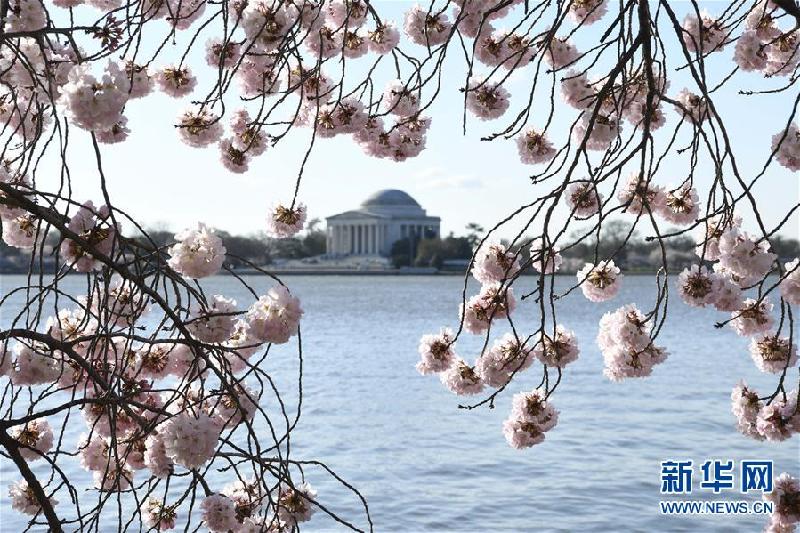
x=494, y=266
x=172, y=419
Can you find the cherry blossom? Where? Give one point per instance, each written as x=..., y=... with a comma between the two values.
x=461, y=379
x=531, y=417
x=93, y=225
x=199, y=252
x=557, y=350
x=35, y=439
x=641, y=197
x=583, y=199
x=189, y=439
x=753, y=317
x=698, y=287
x=486, y=100
x=493, y=302
x=704, y=34
x=494, y=263
x=784, y=496
x=284, y=222
x=625, y=342
x=214, y=323
x=790, y=285
x=275, y=317
x=745, y=406
x=601, y=282
x=680, y=206
x=786, y=144
x=176, y=81
x=219, y=514
x=773, y=353
x=534, y=147
x=507, y=356
x=587, y=11
x=158, y=516
x=199, y=128
x=545, y=259
x=24, y=500
x=436, y=352
x=92, y=103
x=426, y=29
x=295, y=504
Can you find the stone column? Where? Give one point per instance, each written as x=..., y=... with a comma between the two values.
x=349, y=233
x=373, y=238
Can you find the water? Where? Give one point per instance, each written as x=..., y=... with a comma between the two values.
x=425, y=465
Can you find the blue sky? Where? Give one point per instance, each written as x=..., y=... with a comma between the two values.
x=163, y=182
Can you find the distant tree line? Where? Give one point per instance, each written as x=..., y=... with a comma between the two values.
x=258, y=249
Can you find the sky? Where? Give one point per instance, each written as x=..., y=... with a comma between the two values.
x=166, y=184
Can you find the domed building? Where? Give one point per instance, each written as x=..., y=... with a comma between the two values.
x=383, y=219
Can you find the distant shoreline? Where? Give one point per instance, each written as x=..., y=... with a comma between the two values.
x=351, y=272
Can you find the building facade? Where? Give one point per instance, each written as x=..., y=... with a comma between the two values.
x=383, y=219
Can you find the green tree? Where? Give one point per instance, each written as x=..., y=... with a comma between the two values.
x=474, y=234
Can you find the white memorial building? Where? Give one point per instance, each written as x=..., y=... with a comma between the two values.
x=383, y=219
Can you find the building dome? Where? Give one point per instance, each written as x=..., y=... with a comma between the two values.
x=390, y=197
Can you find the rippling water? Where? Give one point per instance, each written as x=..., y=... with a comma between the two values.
x=425, y=465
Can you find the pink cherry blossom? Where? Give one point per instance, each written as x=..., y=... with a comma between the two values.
x=190, y=439
x=275, y=317
x=560, y=52
x=703, y=35
x=199, y=128
x=753, y=317
x=24, y=500
x=508, y=356
x=176, y=81
x=219, y=514
x=461, y=378
x=577, y=91
x=494, y=301
x=295, y=504
x=95, y=226
x=601, y=282
x=557, y=350
x=436, y=352
x=398, y=100
x=199, y=252
x=680, y=206
x=744, y=255
x=534, y=147
x=745, y=406
x=773, y=353
x=155, y=457
x=784, y=496
x=545, y=259
x=493, y=262
x=35, y=438
x=698, y=287
x=790, y=284
x=213, y=323
x=587, y=11
x=786, y=144
x=583, y=199
x=531, y=417
x=426, y=29
x=486, y=100
x=640, y=196
x=383, y=39
x=92, y=103
x=156, y=515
